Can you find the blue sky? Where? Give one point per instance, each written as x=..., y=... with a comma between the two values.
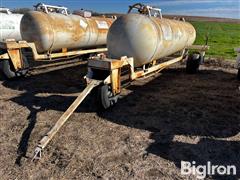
x=213, y=8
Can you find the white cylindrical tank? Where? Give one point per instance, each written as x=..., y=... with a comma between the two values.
x=148, y=38
x=9, y=25
x=54, y=31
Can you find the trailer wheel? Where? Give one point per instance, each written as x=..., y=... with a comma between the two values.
x=193, y=63
x=238, y=75
x=105, y=97
x=24, y=71
x=10, y=72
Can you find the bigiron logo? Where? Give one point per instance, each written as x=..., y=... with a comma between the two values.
x=201, y=171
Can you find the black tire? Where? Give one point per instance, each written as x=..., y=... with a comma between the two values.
x=238, y=75
x=105, y=97
x=7, y=69
x=10, y=72
x=85, y=57
x=193, y=63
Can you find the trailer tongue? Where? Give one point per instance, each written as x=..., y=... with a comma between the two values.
x=46, y=139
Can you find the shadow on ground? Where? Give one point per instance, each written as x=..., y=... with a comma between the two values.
x=173, y=107
x=176, y=107
x=36, y=96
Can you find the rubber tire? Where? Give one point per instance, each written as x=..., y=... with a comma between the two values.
x=7, y=69
x=104, y=101
x=10, y=73
x=238, y=75
x=193, y=63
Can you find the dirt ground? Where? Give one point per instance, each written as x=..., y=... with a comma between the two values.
x=158, y=122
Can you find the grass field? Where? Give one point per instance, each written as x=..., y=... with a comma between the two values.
x=223, y=38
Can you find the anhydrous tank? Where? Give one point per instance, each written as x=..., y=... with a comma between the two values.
x=10, y=26
x=54, y=31
x=148, y=38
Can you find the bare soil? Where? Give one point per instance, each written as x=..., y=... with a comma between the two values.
x=158, y=122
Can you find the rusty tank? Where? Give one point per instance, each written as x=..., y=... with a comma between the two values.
x=51, y=28
x=147, y=36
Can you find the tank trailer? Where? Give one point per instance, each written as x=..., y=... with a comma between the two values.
x=50, y=33
x=144, y=43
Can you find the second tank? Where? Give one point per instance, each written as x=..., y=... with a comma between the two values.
x=53, y=31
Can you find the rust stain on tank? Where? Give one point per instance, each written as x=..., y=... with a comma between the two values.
x=56, y=31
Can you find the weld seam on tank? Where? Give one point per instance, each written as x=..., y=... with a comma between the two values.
x=187, y=40
x=88, y=26
x=97, y=31
x=158, y=42
x=160, y=32
x=53, y=35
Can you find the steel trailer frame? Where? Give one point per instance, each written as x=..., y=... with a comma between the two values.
x=15, y=55
x=113, y=67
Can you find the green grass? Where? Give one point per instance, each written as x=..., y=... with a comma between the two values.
x=223, y=38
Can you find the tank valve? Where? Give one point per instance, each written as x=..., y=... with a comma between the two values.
x=146, y=10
